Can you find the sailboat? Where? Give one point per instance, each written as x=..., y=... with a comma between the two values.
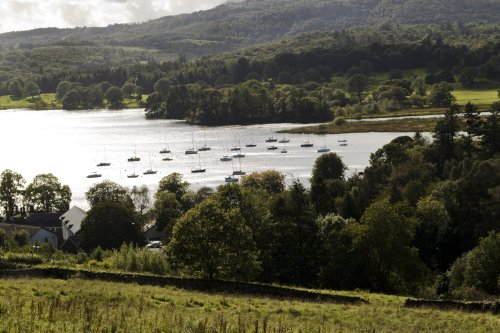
x=272, y=148
x=284, y=151
x=104, y=164
x=231, y=179
x=165, y=150
x=134, y=158
x=94, y=175
x=324, y=149
x=191, y=151
x=204, y=147
x=307, y=144
x=236, y=148
x=343, y=142
x=150, y=171
x=133, y=175
x=199, y=170
x=284, y=140
x=251, y=144
x=239, y=172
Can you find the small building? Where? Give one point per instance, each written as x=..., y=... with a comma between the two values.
x=35, y=234
x=71, y=222
x=153, y=234
x=49, y=221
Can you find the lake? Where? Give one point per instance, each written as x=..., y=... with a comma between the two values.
x=70, y=144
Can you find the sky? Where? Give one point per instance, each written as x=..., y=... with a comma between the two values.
x=16, y=15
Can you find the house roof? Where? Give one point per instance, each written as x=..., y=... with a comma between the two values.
x=11, y=229
x=73, y=218
x=44, y=220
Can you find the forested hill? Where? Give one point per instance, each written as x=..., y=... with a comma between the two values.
x=233, y=25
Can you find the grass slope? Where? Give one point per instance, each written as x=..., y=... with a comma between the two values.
x=49, y=102
x=390, y=125
x=33, y=305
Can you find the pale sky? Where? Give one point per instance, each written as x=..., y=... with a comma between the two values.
x=16, y=15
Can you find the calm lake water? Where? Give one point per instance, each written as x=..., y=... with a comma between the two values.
x=69, y=144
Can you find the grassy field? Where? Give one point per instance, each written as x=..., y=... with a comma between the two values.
x=476, y=96
x=47, y=102
x=391, y=125
x=33, y=305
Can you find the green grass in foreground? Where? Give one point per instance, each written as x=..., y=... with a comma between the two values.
x=390, y=125
x=34, y=305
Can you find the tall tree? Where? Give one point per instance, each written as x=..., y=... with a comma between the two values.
x=108, y=191
x=472, y=125
x=109, y=225
x=384, y=239
x=46, y=194
x=11, y=192
x=327, y=182
x=357, y=86
x=31, y=89
x=114, y=95
x=211, y=243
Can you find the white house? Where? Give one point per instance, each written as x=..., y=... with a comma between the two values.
x=71, y=221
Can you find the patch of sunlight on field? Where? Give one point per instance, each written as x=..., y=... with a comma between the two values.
x=487, y=96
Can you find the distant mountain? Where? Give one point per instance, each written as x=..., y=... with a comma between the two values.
x=236, y=24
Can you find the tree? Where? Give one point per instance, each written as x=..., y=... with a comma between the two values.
x=114, y=95
x=108, y=191
x=490, y=140
x=433, y=227
x=327, y=182
x=472, y=125
x=31, y=89
x=140, y=198
x=468, y=75
x=211, y=243
x=62, y=89
x=129, y=89
x=11, y=192
x=357, y=85
x=109, y=225
x=440, y=95
x=384, y=240
x=294, y=247
x=46, y=194
x=479, y=268
x=271, y=181
x=445, y=133
x=175, y=184
x=72, y=100
x=16, y=89
x=337, y=263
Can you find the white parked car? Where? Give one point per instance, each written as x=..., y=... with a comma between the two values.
x=154, y=245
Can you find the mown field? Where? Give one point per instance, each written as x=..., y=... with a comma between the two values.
x=49, y=305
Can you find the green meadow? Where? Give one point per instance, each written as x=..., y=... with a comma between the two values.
x=49, y=305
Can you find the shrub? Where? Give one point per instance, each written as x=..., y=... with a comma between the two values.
x=23, y=258
x=339, y=121
x=478, y=269
x=134, y=259
x=3, y=238
x=21, y=237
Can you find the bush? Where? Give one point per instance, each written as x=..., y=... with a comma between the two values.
x=479, y=269
x=21, y=237
x=134, y=259
x=339, y=121
x=23, y=258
